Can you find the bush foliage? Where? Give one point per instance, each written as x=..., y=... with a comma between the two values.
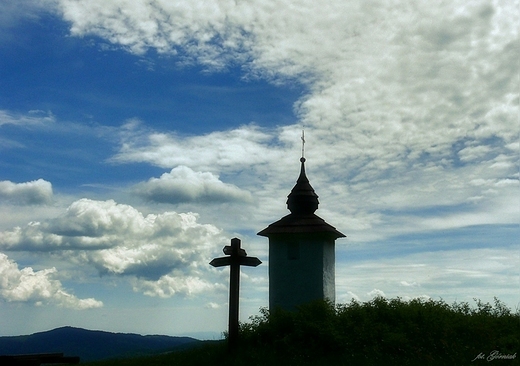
x=378, y=332
x=390, y=331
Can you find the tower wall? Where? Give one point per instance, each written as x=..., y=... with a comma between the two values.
x=301, y=269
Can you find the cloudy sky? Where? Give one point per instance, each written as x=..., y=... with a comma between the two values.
x=137, y=137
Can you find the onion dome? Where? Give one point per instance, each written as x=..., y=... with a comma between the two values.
x=302, y=200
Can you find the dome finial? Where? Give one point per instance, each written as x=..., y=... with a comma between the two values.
x=303, y=146
x=302, y=200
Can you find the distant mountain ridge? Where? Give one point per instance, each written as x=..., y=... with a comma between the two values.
x=91, y=345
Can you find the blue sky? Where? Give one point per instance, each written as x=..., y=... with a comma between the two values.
x=138, y=137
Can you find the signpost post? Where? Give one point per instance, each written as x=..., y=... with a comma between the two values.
x=236, y=257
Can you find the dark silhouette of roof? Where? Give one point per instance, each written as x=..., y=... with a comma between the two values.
x=302, y=202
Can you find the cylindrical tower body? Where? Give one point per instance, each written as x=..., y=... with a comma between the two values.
x=301, y=269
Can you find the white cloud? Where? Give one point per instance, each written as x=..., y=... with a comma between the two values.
x=453, y=275
x=212, y=305
x=376, y=293
x=182, y=184
x=408, y=284
x=231, y=150
x=95, y=219
x=473, y=152
x=169, y=285
x=35, y=117
x=347, y=297
x=37, y=192
x=163, y=254
x=37, y=287
x=86, y=224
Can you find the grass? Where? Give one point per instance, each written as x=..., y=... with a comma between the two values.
x=381, y=331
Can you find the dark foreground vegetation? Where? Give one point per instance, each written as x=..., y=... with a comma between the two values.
x=378, y=332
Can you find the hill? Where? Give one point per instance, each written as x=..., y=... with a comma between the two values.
x=91, y=345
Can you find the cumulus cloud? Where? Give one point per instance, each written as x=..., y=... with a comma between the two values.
x=95, y=219
x=164, y=253
x=86, y=224
x=37, y=287
x=230, y=150
x=38, y=192
x=169, y=285
x=182, y=184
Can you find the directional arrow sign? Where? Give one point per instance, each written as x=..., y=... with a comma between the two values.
x=249, y=261
x=220, y=262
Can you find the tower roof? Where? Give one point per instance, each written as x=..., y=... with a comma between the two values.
x=302, y=202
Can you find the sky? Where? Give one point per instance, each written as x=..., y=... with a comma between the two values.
x=137, y=137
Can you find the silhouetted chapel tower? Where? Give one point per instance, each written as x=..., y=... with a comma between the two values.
x=301, y=251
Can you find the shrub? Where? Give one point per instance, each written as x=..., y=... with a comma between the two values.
x=383, y=330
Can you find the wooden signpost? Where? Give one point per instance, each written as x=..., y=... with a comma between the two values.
x=236, y=257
